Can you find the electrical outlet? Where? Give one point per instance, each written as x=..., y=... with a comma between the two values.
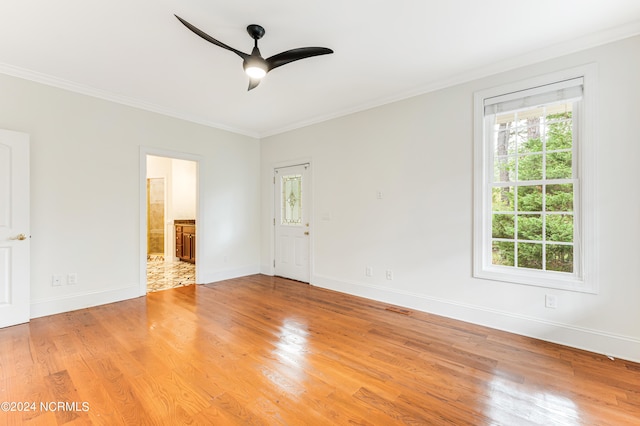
x=369, y=271
x=550, y=301
x=389, y=274
x=72, y=278
x=56, y=280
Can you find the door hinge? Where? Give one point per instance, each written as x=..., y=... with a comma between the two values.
x=274, y=221
x=274, y=180
x=274, y=263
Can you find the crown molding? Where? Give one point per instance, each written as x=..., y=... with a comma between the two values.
x=60, y=83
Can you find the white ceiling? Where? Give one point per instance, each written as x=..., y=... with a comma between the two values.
x=138, y=53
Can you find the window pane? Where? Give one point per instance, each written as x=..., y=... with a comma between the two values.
x=559, y=258
x=504, y=136
x=530, y=255
x=560, y=198
x=530, y=198
x=530, y=167
x=557, y=112
x=560, y=228
x=530, y=227
x=503, y=226
x=559, y=127
x=504, y=169
x=502, y=199
x=530, y=136
x=559, y=165
x=503, y=253
x=291, y=200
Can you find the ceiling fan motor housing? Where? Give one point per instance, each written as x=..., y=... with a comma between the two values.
x=255, y=31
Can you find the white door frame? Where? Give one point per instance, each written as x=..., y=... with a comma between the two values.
x=274, y=206
x=144, y=151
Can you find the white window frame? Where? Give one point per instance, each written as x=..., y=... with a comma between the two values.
x=584, y=277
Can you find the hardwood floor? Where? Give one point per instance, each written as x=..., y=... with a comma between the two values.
x=263, y=350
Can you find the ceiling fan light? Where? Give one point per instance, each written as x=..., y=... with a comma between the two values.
x=255, y=66
x=255, y=71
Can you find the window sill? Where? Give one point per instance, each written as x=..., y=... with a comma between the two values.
x=546, y=279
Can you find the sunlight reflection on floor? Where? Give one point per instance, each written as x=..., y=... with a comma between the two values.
x=291, y=348
x=509, y=399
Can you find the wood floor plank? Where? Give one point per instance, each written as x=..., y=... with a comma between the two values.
x=63, y=391
x=102, y=408
x=266, y=350
x=120, y=391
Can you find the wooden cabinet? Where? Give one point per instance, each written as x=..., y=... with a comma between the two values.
x=186, y=240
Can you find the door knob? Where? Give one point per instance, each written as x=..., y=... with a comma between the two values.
x=20, y=237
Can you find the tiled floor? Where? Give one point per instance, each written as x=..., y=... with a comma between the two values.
x=163, y=275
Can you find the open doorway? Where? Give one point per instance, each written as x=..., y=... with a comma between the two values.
x=171, y=211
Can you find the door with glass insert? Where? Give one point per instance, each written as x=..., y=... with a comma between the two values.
x=292, y=222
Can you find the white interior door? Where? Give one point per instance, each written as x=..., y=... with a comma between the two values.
x=292, y=200
x=14, y=228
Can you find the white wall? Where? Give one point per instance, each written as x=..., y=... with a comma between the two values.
x=85, y=192
x=418, y=152
x=183, y=188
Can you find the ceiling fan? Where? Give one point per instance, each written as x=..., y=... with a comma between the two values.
x=255, y=65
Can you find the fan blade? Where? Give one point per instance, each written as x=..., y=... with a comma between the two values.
x=253, y=83
x=284, y=58
x=211, y=39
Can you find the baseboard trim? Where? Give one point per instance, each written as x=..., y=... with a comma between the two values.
x=58, y=305
x=212, y=277
x=609, y=344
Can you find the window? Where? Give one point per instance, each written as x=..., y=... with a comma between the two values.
x=291, y=200
x=533, y=192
